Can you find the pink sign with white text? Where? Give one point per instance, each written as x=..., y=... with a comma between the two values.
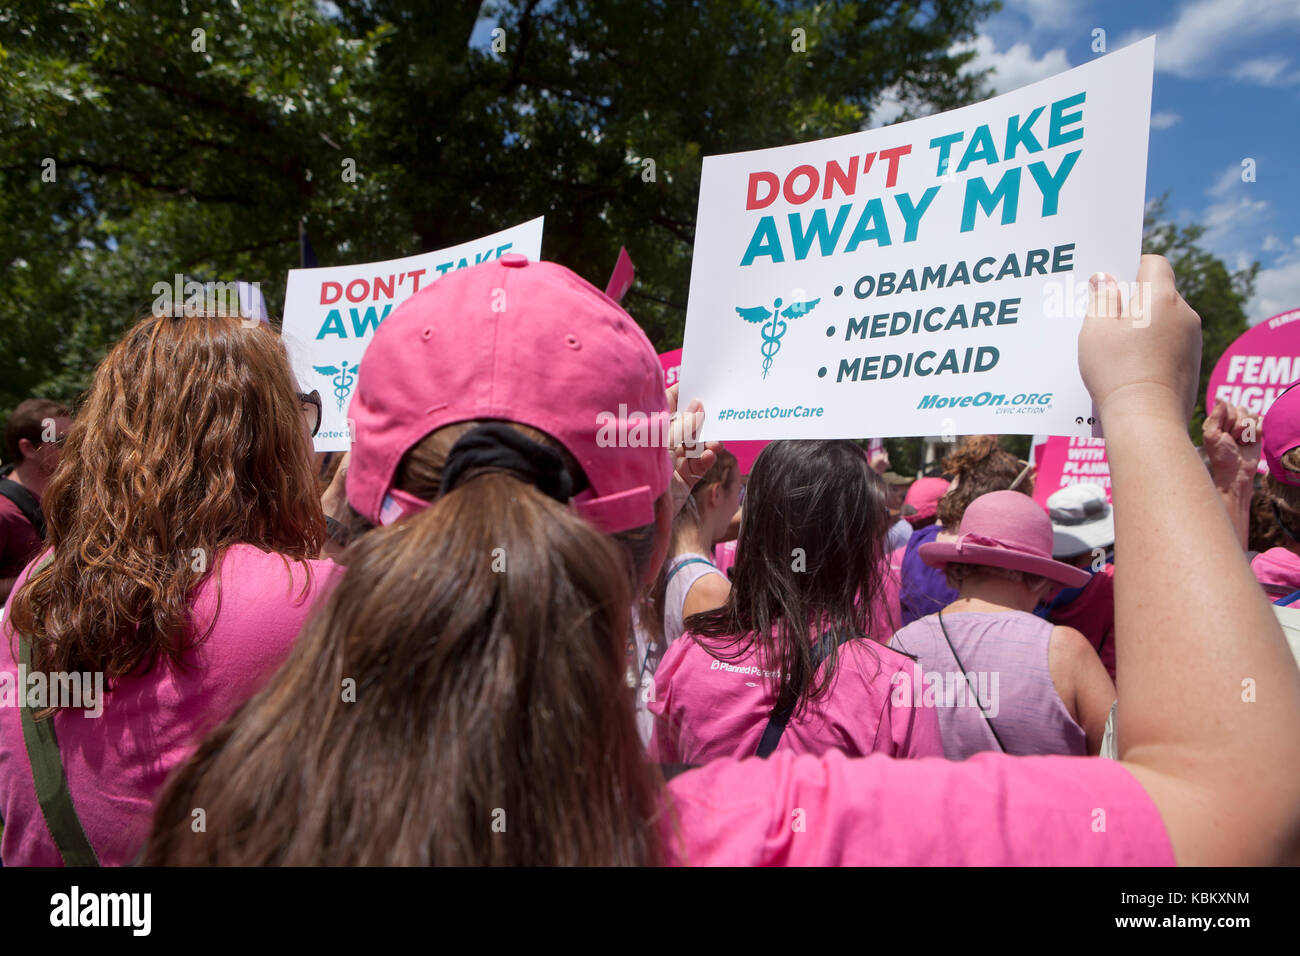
x=1064, y=461
x=1259, y=366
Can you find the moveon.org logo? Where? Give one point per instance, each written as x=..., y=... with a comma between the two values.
x=38, y=690
x=980, y=399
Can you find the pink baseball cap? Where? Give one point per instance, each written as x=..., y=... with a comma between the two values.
x=923, y=498
x=519, y=341
x=1281, y=427
x=1005, y=529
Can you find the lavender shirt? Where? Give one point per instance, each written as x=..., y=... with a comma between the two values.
x=1004, y=657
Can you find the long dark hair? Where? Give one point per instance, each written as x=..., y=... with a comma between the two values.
x=809, y=561
x=490, y=721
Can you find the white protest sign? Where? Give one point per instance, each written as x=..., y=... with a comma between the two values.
x=330, y=314
x=921, y=279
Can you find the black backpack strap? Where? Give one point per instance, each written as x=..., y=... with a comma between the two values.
x=26, y=502
x=48, y=775
x=670, y=770
x=780, y=716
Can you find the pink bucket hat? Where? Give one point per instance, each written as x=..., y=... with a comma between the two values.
x=923, y=498
x=519, y=341
x=1005, y=529
x=1281, y=427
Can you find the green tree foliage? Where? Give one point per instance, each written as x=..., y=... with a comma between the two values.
x=193, y=138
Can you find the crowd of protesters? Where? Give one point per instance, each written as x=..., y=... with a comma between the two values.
x=486, y=637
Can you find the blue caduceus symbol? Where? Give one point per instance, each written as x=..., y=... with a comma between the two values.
x=344, y=379
x=774, y=330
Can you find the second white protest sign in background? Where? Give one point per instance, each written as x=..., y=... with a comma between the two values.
x=331, y=314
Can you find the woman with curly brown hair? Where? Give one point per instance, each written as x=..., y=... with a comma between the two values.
x=978, y=466
x=183, y=528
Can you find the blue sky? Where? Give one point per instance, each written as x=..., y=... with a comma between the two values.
x=1227, y=88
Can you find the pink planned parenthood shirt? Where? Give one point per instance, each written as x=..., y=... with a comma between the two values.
x=990, y=810
x=706, y=708
x=116, y=763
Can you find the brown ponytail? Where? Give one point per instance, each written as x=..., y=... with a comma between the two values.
x=491, y=725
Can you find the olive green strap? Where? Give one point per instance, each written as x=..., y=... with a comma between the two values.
x=49, y=776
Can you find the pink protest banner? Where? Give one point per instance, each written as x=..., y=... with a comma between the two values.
x=622, y=278
x=1064, y=461
x=1036, y=445
x=745, y=451
x=1259, y=366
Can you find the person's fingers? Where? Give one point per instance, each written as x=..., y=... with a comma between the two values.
x=1217, y=421
x=1104, y=300
x=1156, y=271
x=692, y=422
x=685, y=430
x=672, y=398
x=1245, y=429
x=1232, y=420
x=694, y=468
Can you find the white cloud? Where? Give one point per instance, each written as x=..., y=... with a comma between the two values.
x=1012, y=68
x=888, y=108
x=1272, y=243
x=1048, y=15
x=1277, y=289
x=1234, y=220
x=1266, y=71
x=1229, y=180
x=1164, y=120
x=1204, y=30
x=1232, y=224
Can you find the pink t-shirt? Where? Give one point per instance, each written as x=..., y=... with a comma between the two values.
x=990, y=810
x=724, y=556
x=19, y=542
x=1092, y=613
x=886, y=617
x=706, y=709
x=117, y=763
x=1278, y=571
